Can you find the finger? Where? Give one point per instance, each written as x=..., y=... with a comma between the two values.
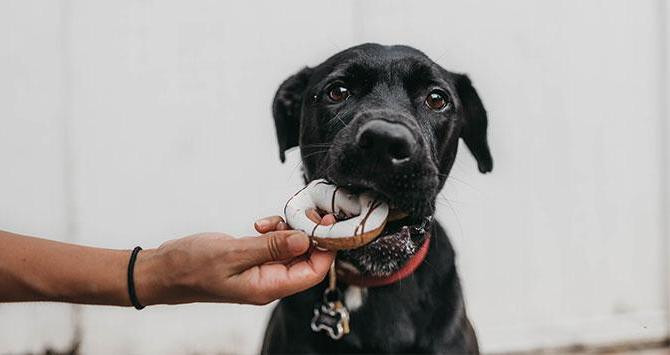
x=328, y=219
x=283, y=226
x=273, y=246
x=303, y=275
x=273, y=281
x=313, y=215
x=268, y=224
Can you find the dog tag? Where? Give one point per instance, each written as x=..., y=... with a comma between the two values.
x=331, y=316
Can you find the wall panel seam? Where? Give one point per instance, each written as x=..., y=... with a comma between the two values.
x=69, y=188
x=664, y=131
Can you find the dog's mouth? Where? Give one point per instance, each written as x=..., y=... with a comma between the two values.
x=400, y=239
x=411, y=201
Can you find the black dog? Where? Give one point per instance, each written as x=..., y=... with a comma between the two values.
x=386, y=119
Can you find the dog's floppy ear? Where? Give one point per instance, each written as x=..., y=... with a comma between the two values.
x=286, y=110
x=474, y=131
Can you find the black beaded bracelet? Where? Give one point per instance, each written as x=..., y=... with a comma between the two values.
x=131, y=279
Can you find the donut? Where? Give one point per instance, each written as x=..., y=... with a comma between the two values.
x=360, y=218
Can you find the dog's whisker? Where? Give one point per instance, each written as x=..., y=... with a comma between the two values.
x=315, y=153
x=453, y=210
x=453, y=178
x=317, y=144
x=343, y=123
x=443, y=196
x=295, y=168
x=462, y=183
x=335, y=118
x=299, y=165
x=444, y=202
x=324, y=171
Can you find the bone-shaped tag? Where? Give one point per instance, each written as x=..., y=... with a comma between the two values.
x=331, y=317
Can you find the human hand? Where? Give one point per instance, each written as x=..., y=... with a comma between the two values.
x=215, y=267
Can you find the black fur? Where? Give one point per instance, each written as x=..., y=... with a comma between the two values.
x=286, y=110
x=420, y=314
x=415, y=149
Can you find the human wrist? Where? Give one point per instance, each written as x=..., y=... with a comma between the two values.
x=151, y=284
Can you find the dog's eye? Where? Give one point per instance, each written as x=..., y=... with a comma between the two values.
x=338, y=93
x=437, y=100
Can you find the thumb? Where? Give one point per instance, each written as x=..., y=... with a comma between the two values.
x=273, y=246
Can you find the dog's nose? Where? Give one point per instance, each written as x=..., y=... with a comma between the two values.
x=389, y=141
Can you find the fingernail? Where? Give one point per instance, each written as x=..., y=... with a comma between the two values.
x=262, y=223
x=297, y=243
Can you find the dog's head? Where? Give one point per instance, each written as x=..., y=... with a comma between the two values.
x=386, y=119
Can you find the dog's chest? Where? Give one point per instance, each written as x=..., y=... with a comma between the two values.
x=354, y=297
x=379, y=321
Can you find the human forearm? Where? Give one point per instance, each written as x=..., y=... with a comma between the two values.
x=209, y=267
x=33, y=269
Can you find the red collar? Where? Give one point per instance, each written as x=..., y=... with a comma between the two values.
x=355, y=279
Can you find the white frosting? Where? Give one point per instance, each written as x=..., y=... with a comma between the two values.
x=365, y=212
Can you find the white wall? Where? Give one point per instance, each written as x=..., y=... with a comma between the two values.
x=33, y=187
x=128, y=123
